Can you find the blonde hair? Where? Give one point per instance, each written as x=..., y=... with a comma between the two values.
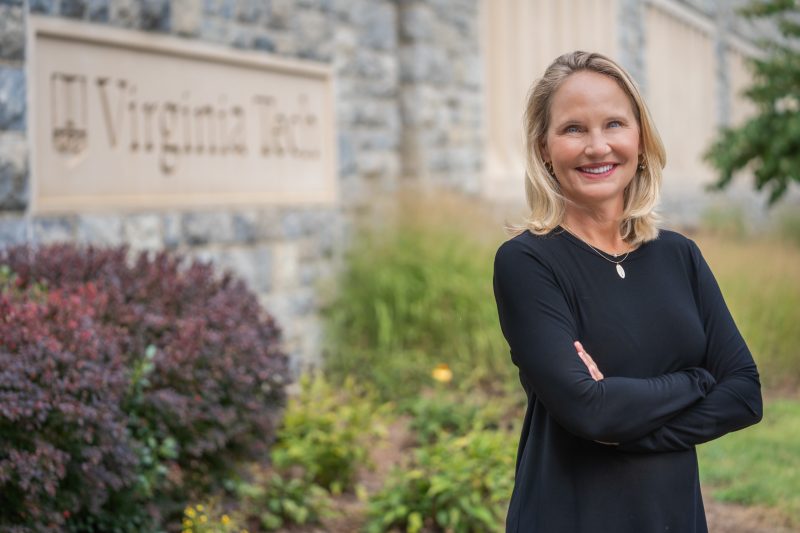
x=546, y=203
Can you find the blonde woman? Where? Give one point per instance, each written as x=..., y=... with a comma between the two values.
x=625, y=347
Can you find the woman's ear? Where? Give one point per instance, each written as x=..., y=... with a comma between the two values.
x=545, y=153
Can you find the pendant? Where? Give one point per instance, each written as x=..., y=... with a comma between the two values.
x=621, y=271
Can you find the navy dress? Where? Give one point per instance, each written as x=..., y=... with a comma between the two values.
x=677, y=373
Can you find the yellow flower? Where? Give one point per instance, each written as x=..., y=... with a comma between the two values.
x=225, y=520
x=199, y=507
x=187, y=523
x=189, y=512
x=203, y=519
x=442, y=373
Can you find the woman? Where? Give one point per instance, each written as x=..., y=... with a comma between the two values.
x=625, y=348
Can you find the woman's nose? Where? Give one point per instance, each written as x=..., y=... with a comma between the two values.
x=597, y=145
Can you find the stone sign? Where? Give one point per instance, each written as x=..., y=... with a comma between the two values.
x=127, y=120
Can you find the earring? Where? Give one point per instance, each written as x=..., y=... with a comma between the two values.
x=643, y=164
x=549, y=166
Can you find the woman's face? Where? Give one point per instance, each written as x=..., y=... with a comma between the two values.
x=593, y=139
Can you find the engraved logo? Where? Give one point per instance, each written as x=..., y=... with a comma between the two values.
x=68, y=113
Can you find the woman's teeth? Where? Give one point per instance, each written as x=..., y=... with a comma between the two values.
x=596, y=170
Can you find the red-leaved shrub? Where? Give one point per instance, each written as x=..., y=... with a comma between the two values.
x=202, y=371
x=64, y=441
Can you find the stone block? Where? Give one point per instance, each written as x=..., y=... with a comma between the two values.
x=314, y=34
x=250, y=265
x=100, y=229
x=262, y=41
x=13, y=230
x=253, y=265
x=98, y=10
x=285, y=265
x=347, y=156
x=276, y=303
x=417, y=22
x=187, y=16
x=422, y=106
x=377, y=74
x=251, y=11
x=125, y=13
x=423, y=63
x=378, y=164
x=268, y=225
x=285, y=43
x=143, y=231
x=374, y=112
x=12, y=33
x=216, y=30
x=72, y=8
x=302, y=301
x=208, y=228
x=377, y=138
x=280, y=14
x=296, y=223
x=241, y=36
x=48, y=230
x=171, y=227
x=155, y=15
x=13, y=171
x=376, y=23
x=245, y=226
x=46, y=7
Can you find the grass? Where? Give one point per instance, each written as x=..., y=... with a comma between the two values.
x=761, y=465
x=760, y=279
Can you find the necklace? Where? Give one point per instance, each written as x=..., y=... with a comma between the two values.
x=620, y=270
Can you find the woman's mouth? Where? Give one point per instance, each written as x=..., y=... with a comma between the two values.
x=598, y=171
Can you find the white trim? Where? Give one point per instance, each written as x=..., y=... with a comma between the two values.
x=743, y=46
x=686, y=15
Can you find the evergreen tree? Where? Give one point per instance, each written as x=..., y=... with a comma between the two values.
x=769, y=142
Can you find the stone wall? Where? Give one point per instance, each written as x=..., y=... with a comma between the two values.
x=408, y=103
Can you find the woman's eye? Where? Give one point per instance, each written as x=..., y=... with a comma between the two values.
x=615, y=124
x=572, y=129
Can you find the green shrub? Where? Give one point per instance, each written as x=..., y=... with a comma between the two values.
x=326, y=432
x=276, y=501
x=412, y=296
x=459, y=483
x=435, y=417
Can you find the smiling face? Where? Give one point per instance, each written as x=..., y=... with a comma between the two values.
x=592, y=140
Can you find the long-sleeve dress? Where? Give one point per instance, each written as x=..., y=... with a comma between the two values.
x=677, y=373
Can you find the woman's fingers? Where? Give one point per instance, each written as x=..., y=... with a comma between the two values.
x=594, y=371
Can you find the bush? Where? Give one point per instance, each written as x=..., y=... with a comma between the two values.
x=459, y=483
x=64, y=441
x=202, y=373
x=434, y=417
x=276, y=500
x=325, y=434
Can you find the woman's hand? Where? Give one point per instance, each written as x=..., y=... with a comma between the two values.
x=595, y=373
x=588, y=361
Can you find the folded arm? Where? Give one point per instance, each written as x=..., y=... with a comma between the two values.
x=540, y=330
x=735, y=402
